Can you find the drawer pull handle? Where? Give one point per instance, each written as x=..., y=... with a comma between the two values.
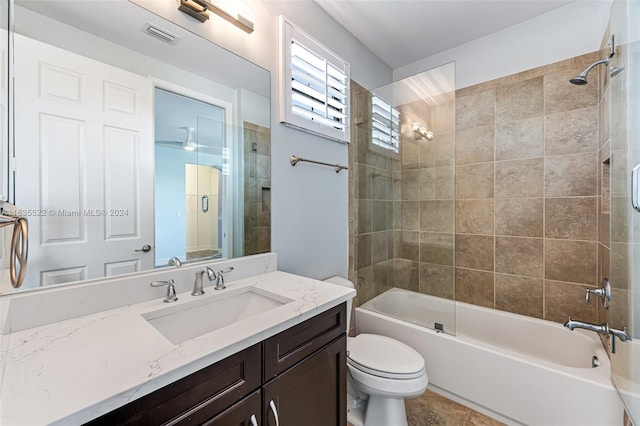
x=272, y=406
x=253, y=420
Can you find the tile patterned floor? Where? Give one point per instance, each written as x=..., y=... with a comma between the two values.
x=431, y=409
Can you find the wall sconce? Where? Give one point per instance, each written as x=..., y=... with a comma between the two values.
x=421, y=132
x=226, y=9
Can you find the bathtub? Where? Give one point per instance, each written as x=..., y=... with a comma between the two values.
x=515, y=368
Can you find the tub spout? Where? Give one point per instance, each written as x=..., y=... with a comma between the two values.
x=620, y=334
x=601, y=329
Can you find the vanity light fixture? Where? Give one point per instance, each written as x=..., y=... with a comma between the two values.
x=230, y=10
x=195, y=8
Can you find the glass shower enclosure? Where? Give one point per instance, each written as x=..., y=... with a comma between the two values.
x=404, y=161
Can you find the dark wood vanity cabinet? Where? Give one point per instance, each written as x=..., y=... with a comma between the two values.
x=300, y=374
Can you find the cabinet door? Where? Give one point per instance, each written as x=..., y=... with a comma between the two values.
x=313, y=393
x=246, y=412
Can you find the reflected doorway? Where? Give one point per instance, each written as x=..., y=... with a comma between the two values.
x=190, y=147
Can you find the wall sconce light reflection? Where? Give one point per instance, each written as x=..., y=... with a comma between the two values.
x=421, y=132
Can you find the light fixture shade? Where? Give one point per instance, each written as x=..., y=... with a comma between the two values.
x=231, y=10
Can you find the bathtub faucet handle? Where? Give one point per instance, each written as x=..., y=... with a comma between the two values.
x=603, y=292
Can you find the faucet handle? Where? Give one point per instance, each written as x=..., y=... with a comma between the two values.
x=171, y=290
x=220, y=278
x=603, y=292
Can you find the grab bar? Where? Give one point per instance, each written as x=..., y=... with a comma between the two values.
x=295, y=160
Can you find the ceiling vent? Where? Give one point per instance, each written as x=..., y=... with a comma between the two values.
x=160, y=33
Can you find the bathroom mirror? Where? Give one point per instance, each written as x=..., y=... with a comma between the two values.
x=135, y=142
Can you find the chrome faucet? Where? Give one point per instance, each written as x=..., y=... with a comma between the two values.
x=171, y=290
x=198, y=285
x=220, y=279
x=601, y=329
x=174, y=261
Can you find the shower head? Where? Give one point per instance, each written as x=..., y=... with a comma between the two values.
x=581, y=79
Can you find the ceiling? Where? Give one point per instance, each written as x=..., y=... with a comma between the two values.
x=403, y=31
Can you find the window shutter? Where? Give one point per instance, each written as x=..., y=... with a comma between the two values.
x=314, y=86
x=385, y=124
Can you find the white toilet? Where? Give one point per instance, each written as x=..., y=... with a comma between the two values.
x=382, y=372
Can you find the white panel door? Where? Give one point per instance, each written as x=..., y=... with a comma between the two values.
x=84, y=164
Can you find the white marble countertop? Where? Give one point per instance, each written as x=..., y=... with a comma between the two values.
x=72, y=371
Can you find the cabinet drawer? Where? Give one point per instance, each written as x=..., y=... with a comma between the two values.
x=208, y=392
x=240, y=413
x=291, y=346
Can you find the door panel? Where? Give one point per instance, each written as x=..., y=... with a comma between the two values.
x=90, y=194
x=625, y=221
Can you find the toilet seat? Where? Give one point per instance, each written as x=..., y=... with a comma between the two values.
x=385, y=357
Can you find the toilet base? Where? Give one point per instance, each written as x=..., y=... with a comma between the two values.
x=384, y=411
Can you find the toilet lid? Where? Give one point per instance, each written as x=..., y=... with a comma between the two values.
x=384, y=356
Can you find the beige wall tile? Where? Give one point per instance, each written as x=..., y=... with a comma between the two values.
x=519, y=178
x=523, y=99
x=474, y=252
x=406, y=274
x=604, y=112
x=516, y=139
x=604, y=263
x=572, y=218
x=406, y=245
x=438, y=152
x=519, y=295
x=411, y=184
x=475, y=110
x=519, y=256
x=437, y=183
x=571, y=132
x=437, y=215
x=364, y=251
x=474, y=217
x=520, y=217
x=571, y=261
x=364, y=216
x=571, y=175
x=410, y=215
x=379, y=215
x=474, y=145
x=436, y=280
x=474, y=181
x=382, y=276
x=620, y=261
x=563, y=300
x=561, y=96
x=436, y=248
x=365, y=288
x=474, y=287
x=379, y=252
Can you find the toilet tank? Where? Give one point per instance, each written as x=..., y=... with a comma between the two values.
x=345, y=283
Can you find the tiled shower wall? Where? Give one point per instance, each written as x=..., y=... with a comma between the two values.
x=257, y=189
x=525, y=204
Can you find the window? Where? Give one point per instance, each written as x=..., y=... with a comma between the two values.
x=385, y=124
x=314, y=85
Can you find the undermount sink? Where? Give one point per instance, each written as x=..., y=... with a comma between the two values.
x=189, y=320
